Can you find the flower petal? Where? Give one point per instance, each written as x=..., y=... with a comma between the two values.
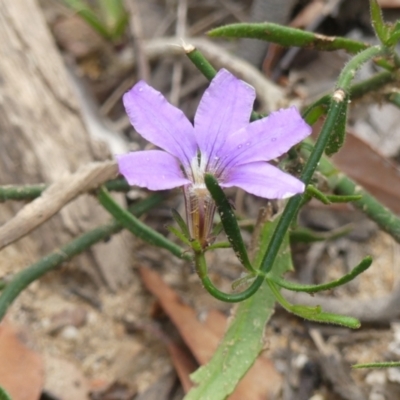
x=265, y=139
x=263, y=180
x=224, y=108
x=160, y=122
x=152, y=169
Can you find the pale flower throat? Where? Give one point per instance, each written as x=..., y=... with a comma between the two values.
x=200, y=207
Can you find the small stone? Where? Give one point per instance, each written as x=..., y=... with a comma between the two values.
x=317, y=396
x=394, y=374
x=376, y=378
x=70, y=333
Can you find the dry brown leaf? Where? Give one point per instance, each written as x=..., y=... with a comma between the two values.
x=183, y=363
x=21, y=369
x=308, y=14
x=201, y=341
x=261, y=382
x=371, y=170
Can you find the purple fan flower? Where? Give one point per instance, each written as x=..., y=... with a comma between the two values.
x=222, y=142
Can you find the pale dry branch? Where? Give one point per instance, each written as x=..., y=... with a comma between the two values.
x=54, y=198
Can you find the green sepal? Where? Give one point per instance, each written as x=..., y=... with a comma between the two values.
x=181, y=223
x=179, y=235
x=218, y=228
x=228, y=221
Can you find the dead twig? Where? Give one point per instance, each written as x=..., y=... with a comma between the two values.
x=54, y=198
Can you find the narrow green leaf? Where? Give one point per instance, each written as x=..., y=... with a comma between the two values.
x=229, y=221
x=313, y=313
x=137, y=227
x=312, y=191
x=286, y=36
x=383, y=364
x=381, y=29
x=360, y=268
x=305, y=235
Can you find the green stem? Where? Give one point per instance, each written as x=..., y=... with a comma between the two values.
x=30, y=192
x=201, y=63
x=137, y=227
x=25, y=277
